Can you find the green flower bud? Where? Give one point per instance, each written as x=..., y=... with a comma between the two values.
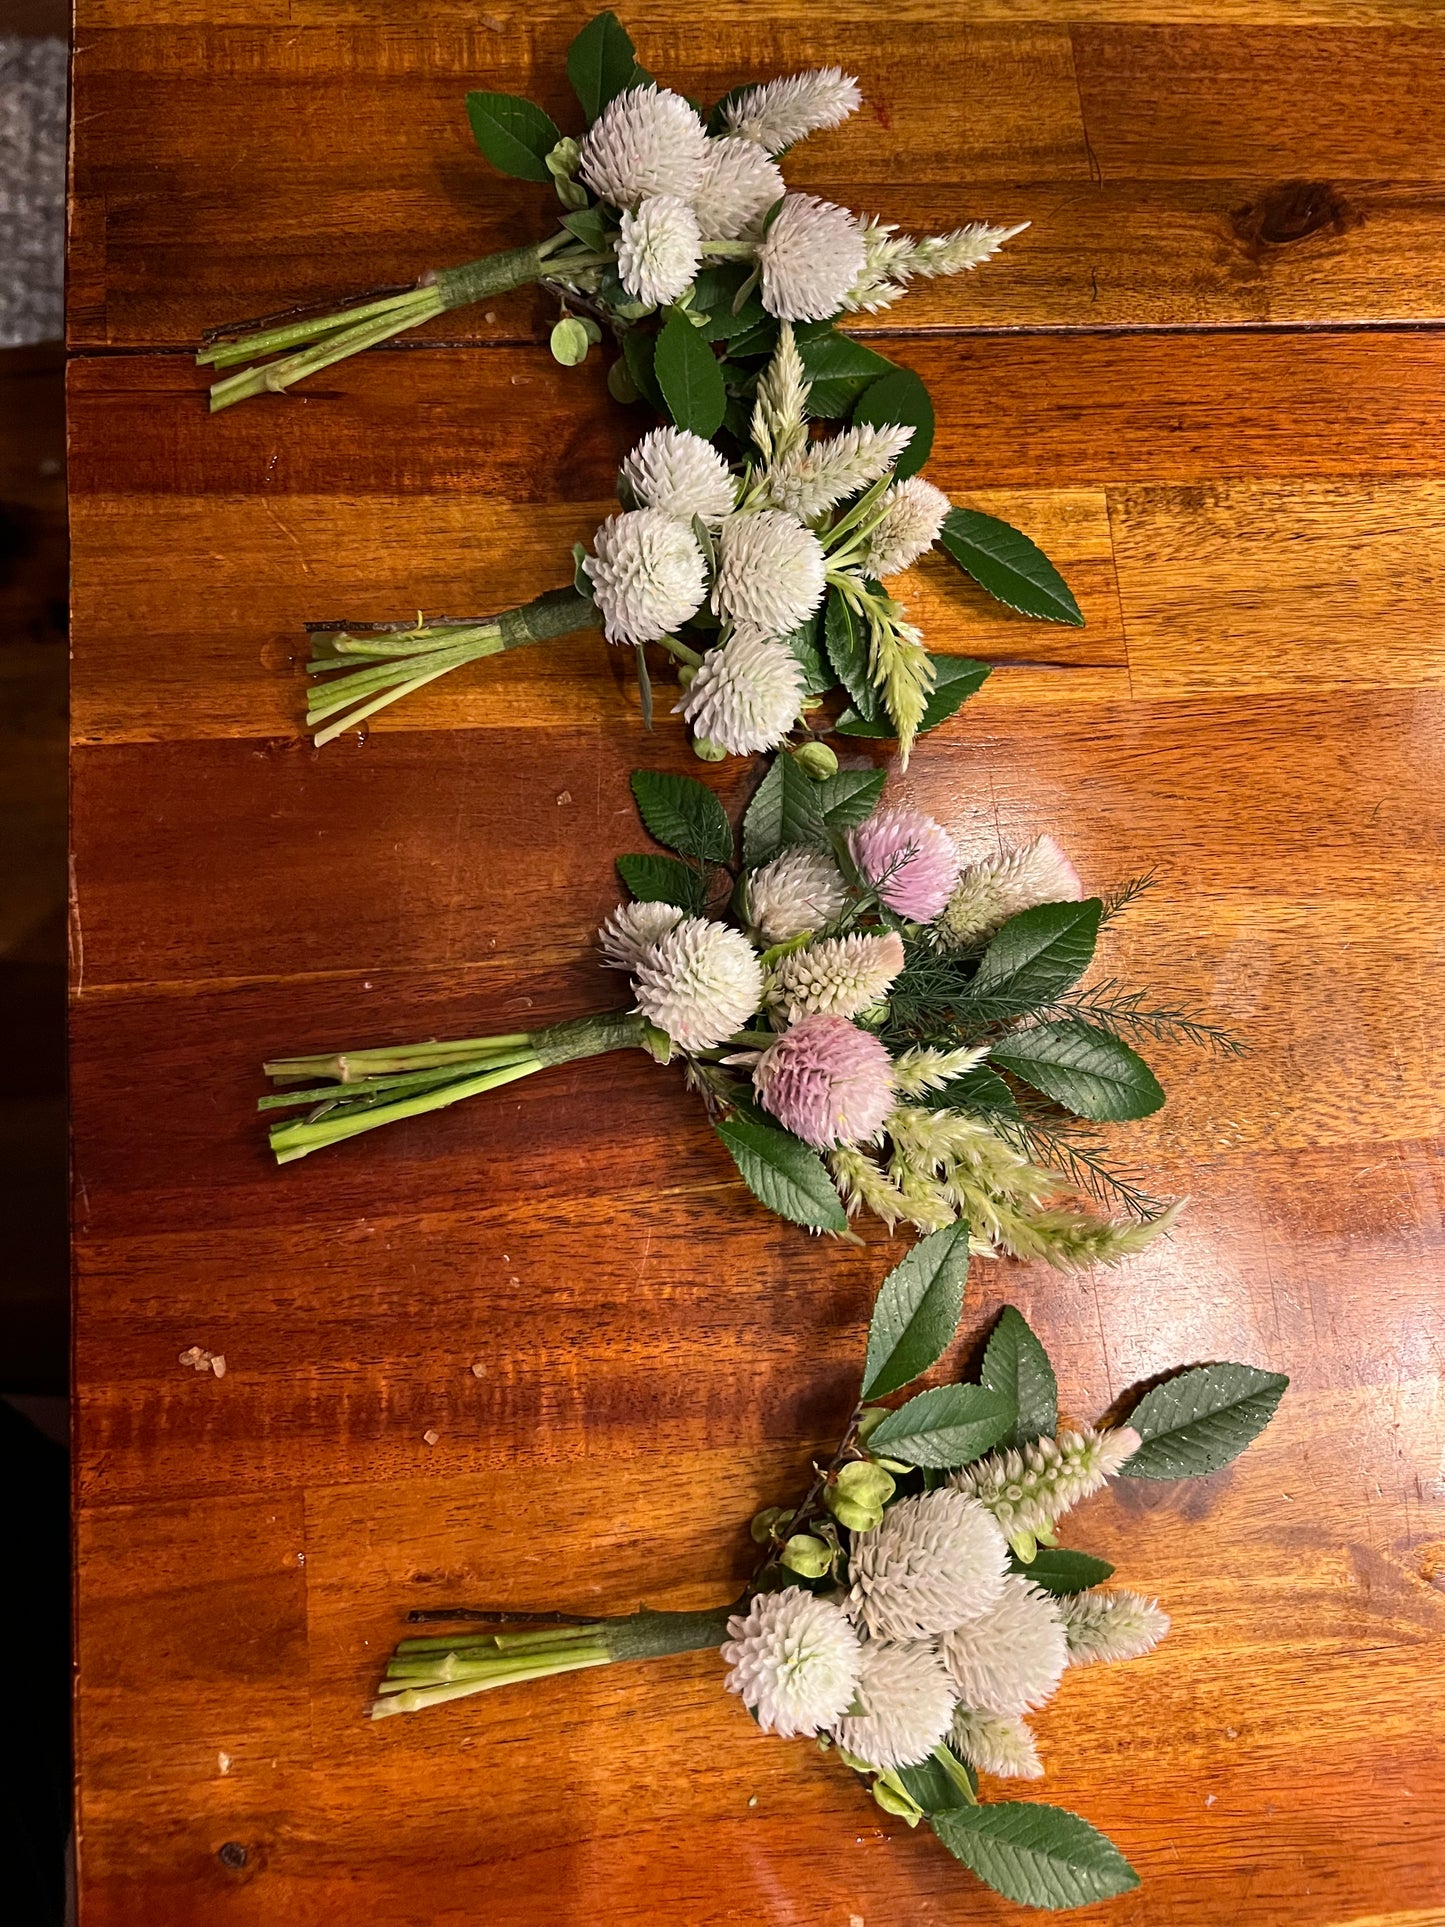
x=857, y=1518
x=620, y=384
x=898, y=1804
x=810, y=1558
x=866, y=1483
x=870, y=1419
x=708, y=752
x=766, y=1521
x=818, y=760
x=569, y=342
x=594, y=332
x=563, y=160
x=686, y=675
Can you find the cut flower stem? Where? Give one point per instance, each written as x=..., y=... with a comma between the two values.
x=375, y=1087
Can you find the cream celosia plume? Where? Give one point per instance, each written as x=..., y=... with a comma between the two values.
x=794, y=1660
x=913, y=513
x=1111, y=1626
x=1027, y=1489
x=699, y=982
x=989, y=893
x=994, y=1744
x=845, y=975
x=820, y=474
x=780, y=112
x=892, y=260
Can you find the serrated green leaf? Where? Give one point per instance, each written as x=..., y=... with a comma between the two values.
x=1013, y=570
x=591, y=225
x=847, y=646
x=979, y=1090
x=917, y=1310
x=602, y=63
x=637, y=352
x=1089, y=1071
x=1035, y=957
x=782, y=1171
x=850, y=798
x=956, y=678
x=759, y=340
x=1038, y=1855
x=838, y=367
x=784, y=811
x=683, y=814
x=1016, y=1366
x=931, y=1786
x=662, y=879
x=689, y=377
x=1062, y=1571
x=714, y=292
x=899, y=396
x=514, y=134
x=949, y=1426
x=805, y=643
x=1198, y=1421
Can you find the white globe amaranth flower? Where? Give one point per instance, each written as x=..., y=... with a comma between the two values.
x=1027, y=1489
x=1111, y=1625
x=906, y=1703
x=631, y=931
x=935, y=1561
x=645, y=142
x=780, y=112
x=794, y=1660
x=699, y=982
x=803, y=889
x=989, y=893
x=820, y=474
x=845, y=975
x=658, y=250
x=809, y=257
x=994, y=1744
x=647, y=574
x=914, y=512
x=739, y=184
x=746, y=695
x=678, y=472
x=771, y=574
x=1010, y=1658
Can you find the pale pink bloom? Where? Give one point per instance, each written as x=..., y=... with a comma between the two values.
x=826, y=1081
x=909, y=859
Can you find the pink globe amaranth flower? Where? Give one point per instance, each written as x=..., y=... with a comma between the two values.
x=909, y=859
x=826, y=1081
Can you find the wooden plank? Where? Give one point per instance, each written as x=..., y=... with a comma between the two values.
x=1164, y=200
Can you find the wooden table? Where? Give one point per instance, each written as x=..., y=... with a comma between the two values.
x=1211, y=379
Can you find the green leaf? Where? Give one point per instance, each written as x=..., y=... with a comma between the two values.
x=804, y=643
x=1036, y=956
x=689, y=377
x=1016, y=1366
x=1037, y=1855
x=662, y=879
x=591, y=225
x=1089, y=1071
x=951, y=1425
x=637, y=352
x=514, y=134
x=931, y=1786
x=1014, y=570
x=850, y=798
x=602, y=63
x=847, y=646
x=839, y=368
x=783, y=1172
x=713, y=293
x=980, y=1090
x=785, y=810
x=956, y=678
x=917, y=1311
x=899, y=397
x=1060, y=1571
x=1200, y=1420
x=683, y=814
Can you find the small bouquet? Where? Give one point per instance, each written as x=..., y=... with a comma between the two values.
x=679, y=233
x=762, y=576
x=869, y=1020
x=915, y=1606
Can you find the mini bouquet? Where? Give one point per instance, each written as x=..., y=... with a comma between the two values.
x=869, y=1021
x=761, y=576
x=915, y=1606
x=668, y=215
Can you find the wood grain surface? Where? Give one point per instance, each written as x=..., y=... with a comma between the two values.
x=1177, y=381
